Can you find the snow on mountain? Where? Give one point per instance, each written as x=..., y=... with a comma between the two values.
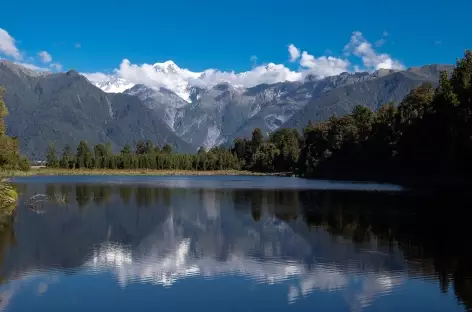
x=159, y=75
x=162, y=100
x=114, y=85
x=182, y=81
x=212, y=107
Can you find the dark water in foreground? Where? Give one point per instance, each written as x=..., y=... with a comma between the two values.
x=231, y=244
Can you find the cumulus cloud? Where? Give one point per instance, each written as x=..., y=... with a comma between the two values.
x=96, y=77
x=270, y=73
x=45, y=57
x=294, y=53
x=372, y=60
x=56, y=66
x=8, y=46
x=324, y=66
x=170, y=76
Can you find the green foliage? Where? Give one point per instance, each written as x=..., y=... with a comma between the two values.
x=84, y=158
x=167, y=149
x=8, y=197
x=67, y=158
x=146, y=156
x=51, y=156
x=257, y=139
x=126, y=150
x=428, y=135
x=10, y=158
x=287, y=143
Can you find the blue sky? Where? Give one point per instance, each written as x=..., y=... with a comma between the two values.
x=95, y=36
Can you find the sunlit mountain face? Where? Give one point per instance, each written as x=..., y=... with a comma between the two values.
x=296, y=244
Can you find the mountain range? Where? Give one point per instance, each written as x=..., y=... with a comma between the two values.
x=179, y=107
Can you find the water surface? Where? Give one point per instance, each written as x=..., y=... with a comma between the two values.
x=99, y=243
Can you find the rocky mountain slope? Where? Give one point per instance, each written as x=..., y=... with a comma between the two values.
x=223, y=112
x=67, y=107
x=381, y=89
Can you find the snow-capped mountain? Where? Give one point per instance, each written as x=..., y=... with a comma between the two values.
x=159, y=75
x=162, y=100
x=114, y=85
x=182, y=81
x=210, y=108
x=187, y=109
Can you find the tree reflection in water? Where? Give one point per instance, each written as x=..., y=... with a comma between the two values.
x=431, y=232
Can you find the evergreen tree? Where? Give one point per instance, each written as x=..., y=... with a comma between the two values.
x=83, y=156
x=257, y=139
x=66, y=158
x=51, y=156
x=167, y=149
x=126, y=150
x=9, y=147
x=140, y=147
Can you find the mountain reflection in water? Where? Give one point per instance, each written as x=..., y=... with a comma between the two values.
x=339, y=249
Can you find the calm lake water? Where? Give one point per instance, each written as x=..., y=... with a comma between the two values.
x=230, y=244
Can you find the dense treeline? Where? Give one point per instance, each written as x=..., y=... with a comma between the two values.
x=144, y=156
x=10, y=158
x=428, y=135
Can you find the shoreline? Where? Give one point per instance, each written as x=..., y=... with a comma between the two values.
x=5, y=176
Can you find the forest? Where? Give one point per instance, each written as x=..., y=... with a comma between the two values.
x=427, y=136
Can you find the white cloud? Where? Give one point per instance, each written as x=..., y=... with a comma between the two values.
x=7, y=45
x=32, y=66
x=170, y=76
x=96, y=77
x=372, y=60
x=45, y=56
x=270, y=73
x=294, y=53
x=56, y=66
x=324, y=66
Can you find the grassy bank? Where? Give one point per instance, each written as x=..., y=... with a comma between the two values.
x=148, y=172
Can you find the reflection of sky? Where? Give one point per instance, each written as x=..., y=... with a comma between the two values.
x=178, y=264
x=177, y=268
x=203, y=248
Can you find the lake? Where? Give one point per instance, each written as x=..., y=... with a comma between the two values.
x=124, y=243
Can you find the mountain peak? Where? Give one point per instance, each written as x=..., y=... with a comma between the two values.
x=168, y=67
x=114, y=84
x=19, y=68
x=72, y=73
x=383, y=72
